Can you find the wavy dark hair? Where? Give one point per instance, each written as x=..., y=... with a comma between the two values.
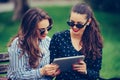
x=28, y=36
x=92, y=40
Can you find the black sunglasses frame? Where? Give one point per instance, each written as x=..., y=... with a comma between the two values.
x=78, y=25
x=42, y=31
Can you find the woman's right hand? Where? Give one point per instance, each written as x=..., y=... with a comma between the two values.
x=50, y=70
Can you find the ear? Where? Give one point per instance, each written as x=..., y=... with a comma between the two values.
x=89, y=21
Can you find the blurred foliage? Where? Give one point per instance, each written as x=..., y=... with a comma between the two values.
x=109, y=25
x=105, y=5
x=8, y=28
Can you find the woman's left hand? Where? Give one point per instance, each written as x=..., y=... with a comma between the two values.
x=50, y=70
x=80, y=67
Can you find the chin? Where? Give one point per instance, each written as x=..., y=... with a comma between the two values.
x=75, y=32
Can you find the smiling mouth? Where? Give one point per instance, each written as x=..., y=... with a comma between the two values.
x=75, y=30
x=43, y=35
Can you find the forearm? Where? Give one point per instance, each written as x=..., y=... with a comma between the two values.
x=29, y=74
x=19, y=68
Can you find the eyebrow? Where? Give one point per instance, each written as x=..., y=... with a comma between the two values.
x=45, y=28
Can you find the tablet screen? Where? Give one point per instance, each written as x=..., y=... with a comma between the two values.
x=66, y=63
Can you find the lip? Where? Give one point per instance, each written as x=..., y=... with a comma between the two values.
x=75, y=30
x=43, y=35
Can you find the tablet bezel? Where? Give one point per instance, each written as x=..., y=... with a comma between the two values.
x=65, y=63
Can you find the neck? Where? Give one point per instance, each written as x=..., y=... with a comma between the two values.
x=76, y=36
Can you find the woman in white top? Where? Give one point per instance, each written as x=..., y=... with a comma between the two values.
x=28, y=50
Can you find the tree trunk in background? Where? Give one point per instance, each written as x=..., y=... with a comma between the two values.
x=20, y=7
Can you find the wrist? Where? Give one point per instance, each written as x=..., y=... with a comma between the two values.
x=42, y=71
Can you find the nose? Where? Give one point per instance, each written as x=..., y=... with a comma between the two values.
x=74, y=26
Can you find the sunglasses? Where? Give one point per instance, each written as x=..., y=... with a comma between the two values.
x=78, y=25
x=42, y=31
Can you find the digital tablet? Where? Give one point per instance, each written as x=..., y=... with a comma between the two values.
x=66, y=63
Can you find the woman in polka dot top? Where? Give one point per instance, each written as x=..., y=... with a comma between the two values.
x=83, y=38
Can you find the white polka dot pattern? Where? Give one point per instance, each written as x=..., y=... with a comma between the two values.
x=61, y=46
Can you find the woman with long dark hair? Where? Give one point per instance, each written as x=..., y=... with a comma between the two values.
x=83, y=38
x=28, y=50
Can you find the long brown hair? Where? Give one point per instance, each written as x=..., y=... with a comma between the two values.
x=91, y=39
x=28, y=36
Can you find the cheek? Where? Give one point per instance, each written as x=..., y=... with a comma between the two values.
x=82, y=30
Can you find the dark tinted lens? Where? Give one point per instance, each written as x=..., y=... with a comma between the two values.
x=42, y=31
x=78, y=25
x=70, y=23
x=49, y=28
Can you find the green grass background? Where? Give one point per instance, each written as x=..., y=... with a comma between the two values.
x=109, y=25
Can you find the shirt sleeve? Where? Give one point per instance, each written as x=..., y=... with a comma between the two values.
x=93, y=71
x=18, y=68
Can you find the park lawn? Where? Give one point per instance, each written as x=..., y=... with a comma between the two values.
x=109, y=25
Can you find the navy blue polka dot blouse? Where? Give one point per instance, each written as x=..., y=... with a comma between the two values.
x=61, y=46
